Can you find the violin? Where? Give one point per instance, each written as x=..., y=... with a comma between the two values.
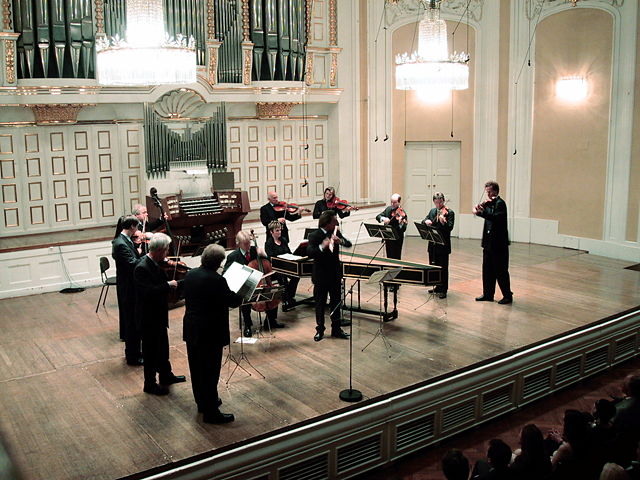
x=263, y=266
x=336, y=203
x=289, y=208
x=400, y=215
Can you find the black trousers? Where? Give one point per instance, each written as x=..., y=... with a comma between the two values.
x=394, y=248
x=155, y=350
x=495, y=267
x=129, y=331
x=205, y=361
x=320, y=293
x=440, y=257
x=272, y=315
x=122, y=323
x=290, y=286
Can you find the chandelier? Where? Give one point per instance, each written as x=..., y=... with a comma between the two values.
x=431, y=67
x=147, y=56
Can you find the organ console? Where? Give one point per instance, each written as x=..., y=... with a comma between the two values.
x=197, y=221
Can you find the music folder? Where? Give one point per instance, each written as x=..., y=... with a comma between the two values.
x=429, y=233
x=242, y=279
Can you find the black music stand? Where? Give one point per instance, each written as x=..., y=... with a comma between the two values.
x=429, y=233
x=349, y=394
x=256, y=296
x=380, y=278
x=267, y=294
x=307, y=232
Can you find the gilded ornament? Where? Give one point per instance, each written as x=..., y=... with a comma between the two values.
x=308, y=74
x=245, y=21
x=57, y=113
x=333, y=73
x=211, y=24
x=266, y=110
x=6, y=15
x=308, y=11
x=333, y=23
x=247, y=63
x=99, y=4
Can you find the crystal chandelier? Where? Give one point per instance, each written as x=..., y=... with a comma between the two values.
x=148, y=56
x=431, y=67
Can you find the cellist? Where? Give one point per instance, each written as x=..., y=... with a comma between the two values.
x=244, y=254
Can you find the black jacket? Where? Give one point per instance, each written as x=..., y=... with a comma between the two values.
x=237, y=256
x=126, y=258
x=397, y=227
x=268, y=215
x=494, y=234
x=326, y=264
x=321, y=206
x=443, y=229
x=273, y=250
x=152, y=310
x=207, y=301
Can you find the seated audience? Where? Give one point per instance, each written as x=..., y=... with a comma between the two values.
x=497, y=467
x=627, y=420
x=532, y=461
x=455, y=465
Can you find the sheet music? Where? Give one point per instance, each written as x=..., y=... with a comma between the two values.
x=290, y=256
x=242, y=279
x=384, y=275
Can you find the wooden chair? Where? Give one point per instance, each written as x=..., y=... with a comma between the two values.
x=106, y=281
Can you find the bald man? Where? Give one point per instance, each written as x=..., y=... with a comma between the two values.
x=268, y=214
x=389, y=216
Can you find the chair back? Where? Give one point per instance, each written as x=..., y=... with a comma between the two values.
x=104, y=266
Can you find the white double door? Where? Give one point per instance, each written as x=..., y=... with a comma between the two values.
x=430, y=167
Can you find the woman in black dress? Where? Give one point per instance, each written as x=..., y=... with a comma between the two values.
x=274, y=246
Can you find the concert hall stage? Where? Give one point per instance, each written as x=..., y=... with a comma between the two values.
x=70, y=407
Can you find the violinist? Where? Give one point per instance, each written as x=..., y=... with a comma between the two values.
x=272, y=210
x=126, y=256
x=495, y=245
x=145, y=227
x=441, y=218
x=328, y=202
x=324, y=248
x=244, y=254
x=395, y=216
x=206, y=330
x=274, y=246
x=152, y=311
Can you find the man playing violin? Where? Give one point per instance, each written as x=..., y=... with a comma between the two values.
x=245, y=254
x=495, y=245
x=273, y=210
x=152, y=311
x=324, y=248
x=328, y=202
x=127, y=256
x=441, y=218
x=395, y=216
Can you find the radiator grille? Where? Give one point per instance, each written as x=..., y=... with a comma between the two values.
x=359, y=454
x=414, y=432
x=536, y=384
x=458, y=415
x=312, y=469
x=569, y=370
x=625, y=347
x=596, y=359
x=497, y=399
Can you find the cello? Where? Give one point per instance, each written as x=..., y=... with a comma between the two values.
x=263, y=266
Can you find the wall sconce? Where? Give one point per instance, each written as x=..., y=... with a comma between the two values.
x=572, y=89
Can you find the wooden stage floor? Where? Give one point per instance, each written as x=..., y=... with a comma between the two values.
x=70, y=408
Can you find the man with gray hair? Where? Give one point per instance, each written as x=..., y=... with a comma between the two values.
x=206, y=330
x=152, y=311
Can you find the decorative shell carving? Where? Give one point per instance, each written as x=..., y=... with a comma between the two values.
x=182, y=103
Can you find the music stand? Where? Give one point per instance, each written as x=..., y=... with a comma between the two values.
x=307, y=232
x=429, y=233
x=267, y=294
x=381, y=277
x=256, y=296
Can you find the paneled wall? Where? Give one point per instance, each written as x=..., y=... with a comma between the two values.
x=60, y=177
x=267, y=155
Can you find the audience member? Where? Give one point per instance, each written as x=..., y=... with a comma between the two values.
x=613, y=471
x=627, y=420
x=497, y=467
x=533, y=461
x=455, y=465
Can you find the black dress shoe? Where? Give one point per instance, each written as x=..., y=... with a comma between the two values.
x=506, y=301
x=218, y=418
x=155, y=389
x=339, y=334
x=442, y=295
x=484, y=298
x=136, y=362
x=247, y=332
x=345, y=323
x=318, y=336
x=218, y=403
x=174, y=379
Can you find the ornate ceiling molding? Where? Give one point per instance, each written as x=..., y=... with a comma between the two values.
x=396, y=10
x=534, y=7
x=57, y=113
x=270, y=110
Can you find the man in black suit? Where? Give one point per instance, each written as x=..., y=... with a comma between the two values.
x=495, y=246
x=322, y=205
x=390, y=216
x=126, y=257
x=244, y=254
x=268, y=214
x=152, y=311
x=206, y=330
x=324, y=248
x=144, y=224
x=442, y=220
